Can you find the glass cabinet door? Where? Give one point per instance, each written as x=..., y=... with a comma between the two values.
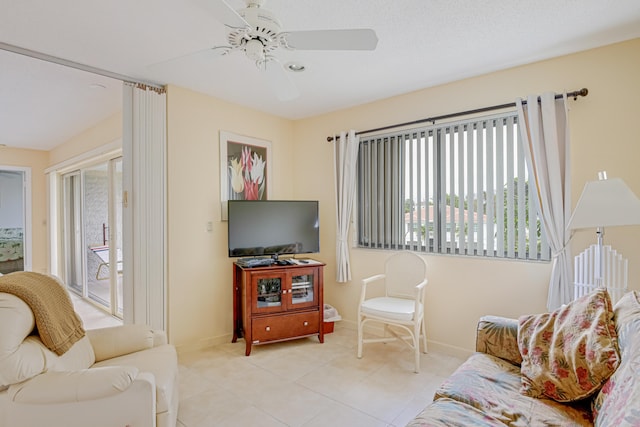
x=269, y=292
x=303, y=289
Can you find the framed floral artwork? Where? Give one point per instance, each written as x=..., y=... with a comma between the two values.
x=245, y=168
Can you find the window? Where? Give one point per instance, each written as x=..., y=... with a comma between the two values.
x=457, y=188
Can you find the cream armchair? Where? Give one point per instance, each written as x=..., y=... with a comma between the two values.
x=120, y=376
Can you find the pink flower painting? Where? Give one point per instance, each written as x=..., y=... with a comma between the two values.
x=247, y=172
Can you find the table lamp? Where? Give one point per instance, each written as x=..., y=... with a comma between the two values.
x=605, y=203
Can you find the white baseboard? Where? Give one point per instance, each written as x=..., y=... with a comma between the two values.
x=435, y=346
x=440, y=347
x=448, y=349
x=203, y=344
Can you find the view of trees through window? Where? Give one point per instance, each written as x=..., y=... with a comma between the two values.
x=457, y=202
x=458, y=188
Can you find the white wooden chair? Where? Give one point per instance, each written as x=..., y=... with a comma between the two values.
x=614, y=272
x=402, y=305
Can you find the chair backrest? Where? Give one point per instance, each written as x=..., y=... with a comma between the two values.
x=404, y=270
x=614, y=272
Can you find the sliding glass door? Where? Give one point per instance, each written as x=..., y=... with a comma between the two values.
x=93, y=233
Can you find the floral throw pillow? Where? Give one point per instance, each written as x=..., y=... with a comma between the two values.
x=568, y=354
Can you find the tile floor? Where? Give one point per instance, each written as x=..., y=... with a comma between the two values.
x=304, y=383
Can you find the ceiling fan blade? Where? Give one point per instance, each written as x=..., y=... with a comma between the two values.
x=223, y=13
x=279, y=81
x=357, y=39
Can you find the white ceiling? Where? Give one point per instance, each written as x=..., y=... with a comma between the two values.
x=44, y=104
x=422, y=43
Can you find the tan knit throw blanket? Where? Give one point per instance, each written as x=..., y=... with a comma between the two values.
x=58, y=324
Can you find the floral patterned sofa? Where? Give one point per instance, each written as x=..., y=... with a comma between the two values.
x=494, y=387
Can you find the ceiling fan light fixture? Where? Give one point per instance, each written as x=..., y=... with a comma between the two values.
x=255, y=50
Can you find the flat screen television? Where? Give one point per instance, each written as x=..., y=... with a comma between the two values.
x=273, y=227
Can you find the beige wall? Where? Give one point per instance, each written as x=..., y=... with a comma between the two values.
x=105, y=132
x=37, y=161
x=200, y=272
x=462, y=289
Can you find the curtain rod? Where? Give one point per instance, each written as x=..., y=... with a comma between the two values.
x=78, y=66
x=575, y=94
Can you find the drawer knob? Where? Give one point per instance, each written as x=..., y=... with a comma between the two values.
x=306, y=323
x=268, y=328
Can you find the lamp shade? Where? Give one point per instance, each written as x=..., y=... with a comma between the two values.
x=606, y=203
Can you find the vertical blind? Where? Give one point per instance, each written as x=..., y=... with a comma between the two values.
x=144, y=211
x=455, y=188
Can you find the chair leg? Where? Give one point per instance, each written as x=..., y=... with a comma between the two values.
x=424, y=335
x=416, y=346
x=360, y=336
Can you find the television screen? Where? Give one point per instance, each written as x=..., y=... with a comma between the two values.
x=273, y=227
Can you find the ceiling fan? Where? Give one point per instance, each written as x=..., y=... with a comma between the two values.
x=257, y=33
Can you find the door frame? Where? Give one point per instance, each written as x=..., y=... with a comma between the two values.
x=27, y=216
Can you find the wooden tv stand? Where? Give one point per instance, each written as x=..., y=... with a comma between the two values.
x=277, y=303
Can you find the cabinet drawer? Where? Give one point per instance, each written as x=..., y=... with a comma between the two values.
x=284, y=326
